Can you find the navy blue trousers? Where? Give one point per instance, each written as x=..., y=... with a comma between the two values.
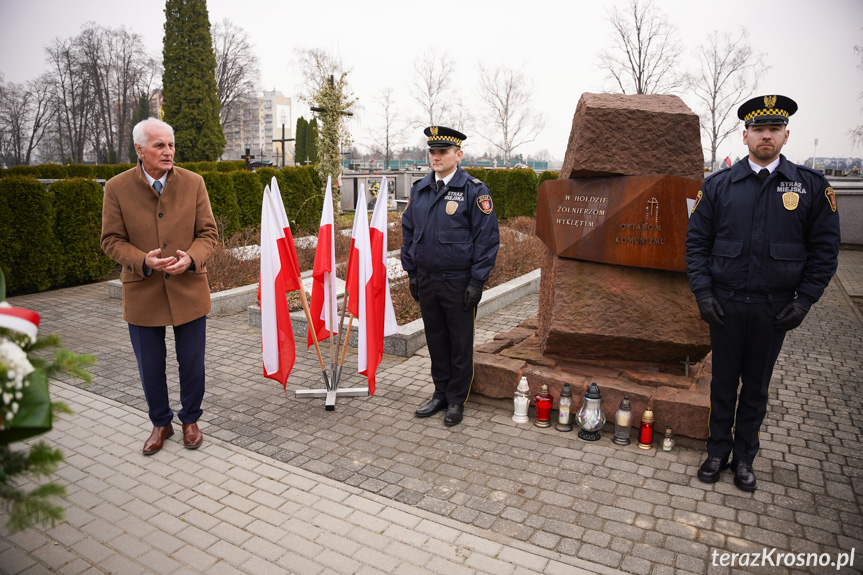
x=449, y=333
x=151, y=352
x=744, y=353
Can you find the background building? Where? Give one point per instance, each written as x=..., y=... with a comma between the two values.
x=259, y=123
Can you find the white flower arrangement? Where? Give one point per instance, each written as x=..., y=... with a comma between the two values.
x=14, y=369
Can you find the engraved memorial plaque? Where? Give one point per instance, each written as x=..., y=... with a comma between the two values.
x=635, y=221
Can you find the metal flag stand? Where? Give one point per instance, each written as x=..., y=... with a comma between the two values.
x=332, y=390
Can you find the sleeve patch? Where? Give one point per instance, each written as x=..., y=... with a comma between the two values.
x=484, y=203
x=831, y=198
x=697, y=200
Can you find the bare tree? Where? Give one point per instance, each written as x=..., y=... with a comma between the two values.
x=728, y=75
x=856, y=134
x=646, y=51
x=120, y=70
x=432, y=86
x=24, y=115
x=391, y=131
x=72, y=95
x=510, y=122
x=237, y=70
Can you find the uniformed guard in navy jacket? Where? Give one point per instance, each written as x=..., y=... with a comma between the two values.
x=449, y=246
x=761, y=247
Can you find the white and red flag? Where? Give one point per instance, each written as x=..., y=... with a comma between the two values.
x=378, y=240
x=323, y=305
x=368, y=288
x=727, y=161
x=279, y=275
x=287, y=251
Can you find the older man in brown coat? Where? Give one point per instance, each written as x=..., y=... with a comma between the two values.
x=157, y=224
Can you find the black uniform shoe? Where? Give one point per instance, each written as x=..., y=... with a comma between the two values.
x=744, y=477
x=431, y=408
x=454, y=414
x=711, y=469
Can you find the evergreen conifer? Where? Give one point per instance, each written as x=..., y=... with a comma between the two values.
x=191, y=102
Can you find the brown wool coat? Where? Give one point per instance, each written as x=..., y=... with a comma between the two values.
x=136, y=220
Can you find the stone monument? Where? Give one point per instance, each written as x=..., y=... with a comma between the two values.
x=615, y=305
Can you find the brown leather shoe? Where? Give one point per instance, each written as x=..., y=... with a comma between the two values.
x=192, y=436
x=157, y=439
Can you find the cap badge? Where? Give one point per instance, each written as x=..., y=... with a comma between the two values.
x=769, y=101
x=434, y=130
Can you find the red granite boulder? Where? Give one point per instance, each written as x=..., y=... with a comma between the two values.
x=637, y=135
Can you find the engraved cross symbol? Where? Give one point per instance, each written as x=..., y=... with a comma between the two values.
x=652, y=202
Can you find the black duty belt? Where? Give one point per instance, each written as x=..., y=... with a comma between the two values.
x=752, y=297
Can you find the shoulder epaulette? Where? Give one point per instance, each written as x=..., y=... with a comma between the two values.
x=808, y=169
x=714, y=174
x=477, y=181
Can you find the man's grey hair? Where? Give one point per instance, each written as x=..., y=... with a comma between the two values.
x=141, y=131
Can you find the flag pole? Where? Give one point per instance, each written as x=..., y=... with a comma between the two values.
x=314, y=334
x=342, y=321
x=345, y=347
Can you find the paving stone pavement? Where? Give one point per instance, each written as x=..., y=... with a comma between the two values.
x=597, y=506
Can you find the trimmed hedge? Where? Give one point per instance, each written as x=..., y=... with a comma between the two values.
x=547, y=175
x=223, y=201
x=249, y=193
x=29, y=254
x=50, y=237
x=513, y=191
x=108, y=171
x=78, y=204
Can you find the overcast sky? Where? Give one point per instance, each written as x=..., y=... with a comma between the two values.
x=809, y=48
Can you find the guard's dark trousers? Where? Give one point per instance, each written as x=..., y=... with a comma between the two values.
x=744, y=349
x=449, y=334
x=150, y=351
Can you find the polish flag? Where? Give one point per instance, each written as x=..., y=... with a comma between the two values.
x=277, y=337
x=727, y=161
x=368, y=287
x=323, y=305
x=378, y=240
x=287, y=252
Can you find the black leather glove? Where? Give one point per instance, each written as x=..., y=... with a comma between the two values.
x=472, y=295
x=415, y=288
x=711, y=311
x=791, y=317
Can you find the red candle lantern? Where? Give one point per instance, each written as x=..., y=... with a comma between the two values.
x=543, y=402
x=645, y=436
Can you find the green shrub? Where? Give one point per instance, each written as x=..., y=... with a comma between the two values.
x=231, y=166
x=32, y=171
x=303, y=196
x=78, y=171
x=249, y=192
x=29, y=254
x=265, y=175
x=223, y=201
x=546, y=175
x=78, y=206
x=521, y=193
x=512, y=191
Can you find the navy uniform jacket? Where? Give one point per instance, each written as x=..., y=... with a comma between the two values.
x=779, y=238
x=451, y=234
